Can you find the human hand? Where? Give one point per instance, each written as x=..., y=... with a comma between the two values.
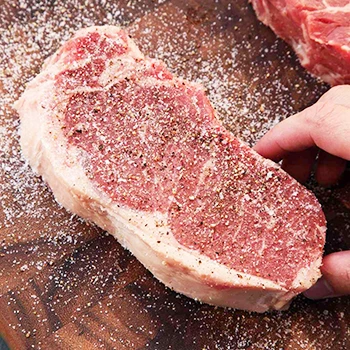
x=322, y=129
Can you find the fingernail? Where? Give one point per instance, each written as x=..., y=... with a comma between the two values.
x=320, y=290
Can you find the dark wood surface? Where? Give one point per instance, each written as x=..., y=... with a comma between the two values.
x=65, y=284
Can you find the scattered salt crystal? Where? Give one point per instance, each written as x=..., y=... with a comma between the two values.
x=269, y=175
x=24, y=267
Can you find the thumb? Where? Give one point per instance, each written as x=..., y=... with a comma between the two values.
x=336, y=277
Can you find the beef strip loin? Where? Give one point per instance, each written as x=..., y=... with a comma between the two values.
x=124, y=143
x=318, y=31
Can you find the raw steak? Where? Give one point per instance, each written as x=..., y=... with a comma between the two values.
x=124, y=143
x=318, y=31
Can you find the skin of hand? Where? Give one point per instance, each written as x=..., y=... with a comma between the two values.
x=323, y=129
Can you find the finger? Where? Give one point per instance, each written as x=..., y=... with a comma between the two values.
x=286, y=137
x=329, y=169
x=299, y=165
x=324, y=125
x=337, y=95
x=336, y=277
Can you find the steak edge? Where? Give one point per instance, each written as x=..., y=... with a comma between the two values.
x=125, y=144
x=318, y=31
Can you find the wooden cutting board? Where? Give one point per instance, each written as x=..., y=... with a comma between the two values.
x=65, y=284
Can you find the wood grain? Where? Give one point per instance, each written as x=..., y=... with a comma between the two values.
x=65, y=284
